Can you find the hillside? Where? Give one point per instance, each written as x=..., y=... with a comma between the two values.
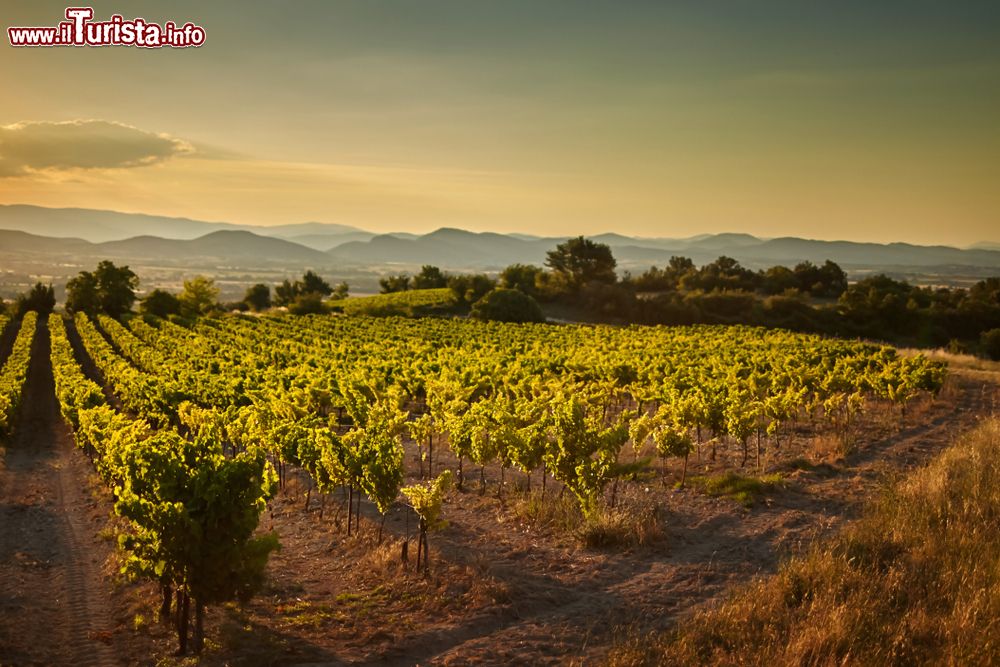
x=221, y=246
x=67, y=232
x=99, y=226
x=455, y=248
x=237, y=245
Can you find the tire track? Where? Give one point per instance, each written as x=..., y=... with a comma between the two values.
x=54, y=604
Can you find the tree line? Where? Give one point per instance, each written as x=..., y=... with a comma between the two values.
x=580, y=278
x=580, y=275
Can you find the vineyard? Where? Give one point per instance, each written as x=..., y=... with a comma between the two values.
x=196, y=432
x=398, y=303
x=336, y=396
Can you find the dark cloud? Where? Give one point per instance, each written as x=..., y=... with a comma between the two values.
x=82, y=144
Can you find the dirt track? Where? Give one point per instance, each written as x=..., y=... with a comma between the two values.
x=54, y=601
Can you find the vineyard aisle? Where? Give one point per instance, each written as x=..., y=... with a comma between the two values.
x=55, y=606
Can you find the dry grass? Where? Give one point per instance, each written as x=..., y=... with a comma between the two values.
x=915, y=581
x=555, y=512
x=830, y=447
x=954, y=359
x=633, y=521
x=744, y=490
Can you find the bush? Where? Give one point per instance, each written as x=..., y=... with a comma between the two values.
x=160, y=303
x=469, y=288
x=307, y=304
x=990, y=341
x=507, y=305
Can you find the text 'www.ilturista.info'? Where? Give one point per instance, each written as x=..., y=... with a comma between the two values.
x=80, y=30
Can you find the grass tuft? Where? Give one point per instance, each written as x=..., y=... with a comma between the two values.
x=743, y=489
x=634, y=521
x=630, y=524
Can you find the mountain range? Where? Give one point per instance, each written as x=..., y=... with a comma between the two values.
x=99, y=226
x=60, y=234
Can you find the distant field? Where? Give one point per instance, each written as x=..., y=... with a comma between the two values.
x=398, y=303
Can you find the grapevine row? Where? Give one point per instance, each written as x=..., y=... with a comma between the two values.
x=14, y=373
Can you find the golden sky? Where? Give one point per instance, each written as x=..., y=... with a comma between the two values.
x=650, y=118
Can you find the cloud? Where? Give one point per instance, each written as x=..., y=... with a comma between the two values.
x=42, y=146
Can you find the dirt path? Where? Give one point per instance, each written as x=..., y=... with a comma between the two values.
x=54, y=603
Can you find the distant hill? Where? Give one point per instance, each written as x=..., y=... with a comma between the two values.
x=455, y=248
x=84, y=234
x=99, y=226
x=447, y=247
x=23, y=243
x=324, y=241
x=222, y=247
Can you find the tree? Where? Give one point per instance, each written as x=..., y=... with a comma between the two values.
x=311, y=283
x=878, y=306
x=82, y=294
x=778, y=280
x=507, y=305
x=581, y=260
x=160, y=303
x=724, y=274
x=41, y=299
x=109, y=289
x=285, y=293
x=828, y=280
x=200, y=295
x=341, y=290
x=116, y=287
x=258, y=297
x=522, y=277
x=430, y=277
x=666, y=279
x=391, y=284
x=469, y=288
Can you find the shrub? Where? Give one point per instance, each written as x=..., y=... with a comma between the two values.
x=990, y=341
x=507, y=305
x=310, y=303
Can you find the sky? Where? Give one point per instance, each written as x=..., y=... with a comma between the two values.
x=870, y=121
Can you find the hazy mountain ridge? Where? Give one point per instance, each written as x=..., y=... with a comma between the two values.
x=99, y=226
x=72, y=232
x=452, y=247
x=224, y=246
